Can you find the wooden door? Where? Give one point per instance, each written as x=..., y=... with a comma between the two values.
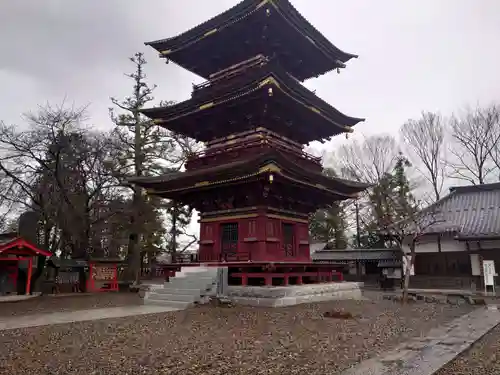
x=229, y=241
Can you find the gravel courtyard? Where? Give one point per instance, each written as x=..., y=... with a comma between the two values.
x=208, y=340
x=483, y=358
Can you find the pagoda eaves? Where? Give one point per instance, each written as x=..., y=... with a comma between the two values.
x=291, y=109
x=271, y=27
x=180, y=184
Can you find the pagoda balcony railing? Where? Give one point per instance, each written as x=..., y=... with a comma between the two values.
x=231, y=71
x=261, y=133
x=209, y=158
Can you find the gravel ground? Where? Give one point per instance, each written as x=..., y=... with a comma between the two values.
x=208, y=340
x=47, y=304
x=483, y=358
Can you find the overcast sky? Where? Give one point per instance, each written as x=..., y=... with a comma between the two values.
x=415, y=55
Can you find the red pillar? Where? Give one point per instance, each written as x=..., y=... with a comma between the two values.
x=28, y=279
x=90, y=281
x=115, y=278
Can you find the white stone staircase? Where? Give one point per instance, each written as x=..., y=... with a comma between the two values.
x=190, y=286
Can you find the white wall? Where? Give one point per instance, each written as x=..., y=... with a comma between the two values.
x=485, y=245
x=429, y=244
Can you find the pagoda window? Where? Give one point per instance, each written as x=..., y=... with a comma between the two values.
x=288, y=239
x=252, y=228
x=208, y=232
x=229, y=240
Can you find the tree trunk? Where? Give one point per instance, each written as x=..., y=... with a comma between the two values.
x=409, y=267
x=134, y=251
x=174, y=234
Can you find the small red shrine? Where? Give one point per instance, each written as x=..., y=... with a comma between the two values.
x=253, y=185
x=13, y=251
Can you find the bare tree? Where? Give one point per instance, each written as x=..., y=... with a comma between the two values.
x=475, y=134
x=368, y=160
x=59, y=169
x=424, y=138
x=407, y=233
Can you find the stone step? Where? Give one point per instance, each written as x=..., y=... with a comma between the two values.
x=189, y=284
x=175, y=297
x=194, y=277
x=192, y=274
x=193, y=291
x=174, y=304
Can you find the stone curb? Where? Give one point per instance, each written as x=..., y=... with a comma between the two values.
x=426, y=355
x=443, y=299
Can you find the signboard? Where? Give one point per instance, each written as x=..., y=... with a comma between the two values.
x=489, y=273
x=103, y=273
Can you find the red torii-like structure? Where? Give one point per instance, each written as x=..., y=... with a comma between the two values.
x=17, y=249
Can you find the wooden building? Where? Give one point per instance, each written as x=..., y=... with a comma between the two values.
x=366, y=265
x=253, y=185
x=17, y=262
x=465, y=232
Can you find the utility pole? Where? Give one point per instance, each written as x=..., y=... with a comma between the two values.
x=358, y=230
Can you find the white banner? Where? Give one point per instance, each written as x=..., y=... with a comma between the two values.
x=489, y=272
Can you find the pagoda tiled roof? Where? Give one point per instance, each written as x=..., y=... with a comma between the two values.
x=272, y=161
x=312, y=117
x=468, y=212
x=248, y=20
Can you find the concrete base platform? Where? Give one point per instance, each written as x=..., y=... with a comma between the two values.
x=280, y=296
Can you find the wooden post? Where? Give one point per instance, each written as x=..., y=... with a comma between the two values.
x=90, y=281
x=115, y=278
x=222, y=281
x=28, y=278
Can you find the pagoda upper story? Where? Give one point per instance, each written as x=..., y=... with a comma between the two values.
x=273, y=28
x=254, y=57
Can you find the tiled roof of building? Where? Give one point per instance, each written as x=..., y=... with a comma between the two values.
x=468, y=211
x=357, y=254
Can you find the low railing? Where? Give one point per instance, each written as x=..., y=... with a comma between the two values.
x=203, y=157
x=234, y=70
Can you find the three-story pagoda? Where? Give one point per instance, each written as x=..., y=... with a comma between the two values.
x=253, y=185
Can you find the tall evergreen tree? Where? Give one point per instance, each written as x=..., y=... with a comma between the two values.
x=146, y=149
x=142, y=146
x=330, y=224
x=389, y=201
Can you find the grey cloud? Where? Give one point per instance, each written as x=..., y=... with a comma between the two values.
x=414, y=55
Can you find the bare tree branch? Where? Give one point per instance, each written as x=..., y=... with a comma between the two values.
x=424, y=139
x=476, y=134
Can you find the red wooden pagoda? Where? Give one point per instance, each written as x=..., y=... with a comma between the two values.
x=253, y=185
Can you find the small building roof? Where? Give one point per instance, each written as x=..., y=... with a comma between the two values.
x=316, y=246
x=271, y=27
x=24, y=246
x=469, y=212
x=348, y=255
